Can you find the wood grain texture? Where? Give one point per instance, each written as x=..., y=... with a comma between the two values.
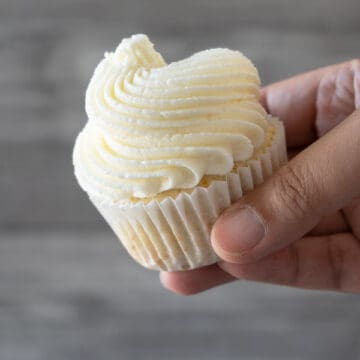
x=48, y=51
x=77, y=295
x=68, y=291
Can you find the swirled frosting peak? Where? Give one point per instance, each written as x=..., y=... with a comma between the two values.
x=154, y=127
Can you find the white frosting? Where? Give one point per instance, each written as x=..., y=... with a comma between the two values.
x=154, y=127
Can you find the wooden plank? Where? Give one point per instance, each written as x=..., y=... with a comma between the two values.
x=49, y=50
x=187, y=15
x=47, y=65
x=77, y=295
x=41, y=98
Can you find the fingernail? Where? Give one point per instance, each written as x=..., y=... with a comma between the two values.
x=162, y=277
x=357, y=85
x=238, y=231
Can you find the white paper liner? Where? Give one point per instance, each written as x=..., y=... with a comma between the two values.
x=174, y=233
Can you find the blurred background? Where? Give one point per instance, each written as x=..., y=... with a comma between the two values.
x=68, y=290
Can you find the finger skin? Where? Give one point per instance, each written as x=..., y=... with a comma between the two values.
x=312, y=103
x=195, y=281
x=332, y=224
x=317, y=182
x=327, y=263
x=337, y=96
x=293, y=101
x=352, y=212
x=199, y=280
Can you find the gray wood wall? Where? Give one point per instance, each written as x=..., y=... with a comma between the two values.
x=68, y=291
x=48, y=50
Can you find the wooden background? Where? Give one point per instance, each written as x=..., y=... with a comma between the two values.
x=68, y=291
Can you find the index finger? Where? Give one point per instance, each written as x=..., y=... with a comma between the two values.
x=295, y=102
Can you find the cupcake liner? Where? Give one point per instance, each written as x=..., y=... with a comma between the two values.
x=174, y=233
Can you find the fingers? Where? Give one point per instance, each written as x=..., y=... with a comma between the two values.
x=337, y=96
x=327, y=263
x=352, y=213
x=294, y=102
x=331, y=224
x=195, y=281
x=311, y=104
x=198, y=280
x=316, y=183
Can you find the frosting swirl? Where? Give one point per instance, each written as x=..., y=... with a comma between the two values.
x=155, y=127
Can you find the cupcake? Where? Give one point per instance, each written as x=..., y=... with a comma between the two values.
x=168, y=147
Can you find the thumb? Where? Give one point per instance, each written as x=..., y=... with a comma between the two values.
x=317, y=182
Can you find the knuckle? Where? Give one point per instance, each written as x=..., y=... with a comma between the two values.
x=292, y=191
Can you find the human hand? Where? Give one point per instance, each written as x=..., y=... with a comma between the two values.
x=302, y=226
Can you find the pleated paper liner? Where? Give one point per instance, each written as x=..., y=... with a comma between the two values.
x=173, y=233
